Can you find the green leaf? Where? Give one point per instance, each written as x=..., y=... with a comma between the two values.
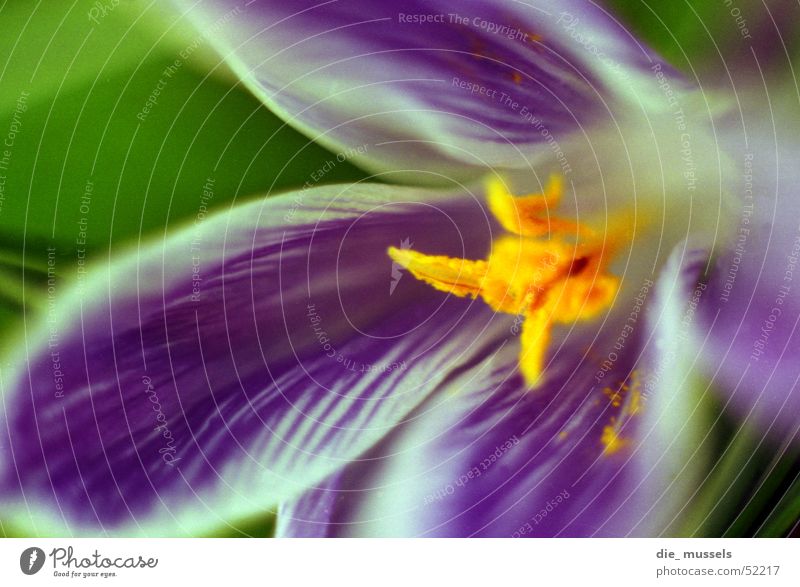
x=749, y=489
x=97, y=158
x=785, y=515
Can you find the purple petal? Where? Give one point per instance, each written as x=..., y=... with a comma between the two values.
x=472, y=84
x=483, y=457
x=208, y=377
x=749, y=333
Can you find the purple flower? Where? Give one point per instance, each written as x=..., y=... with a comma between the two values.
x=275, y=356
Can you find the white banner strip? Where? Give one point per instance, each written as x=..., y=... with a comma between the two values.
x=385, y=562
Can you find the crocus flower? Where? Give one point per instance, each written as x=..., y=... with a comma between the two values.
x=510, y=353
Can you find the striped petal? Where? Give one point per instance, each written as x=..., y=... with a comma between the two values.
x=445, y=87
x=205, y=378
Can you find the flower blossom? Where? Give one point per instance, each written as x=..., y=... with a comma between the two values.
x=512, y=331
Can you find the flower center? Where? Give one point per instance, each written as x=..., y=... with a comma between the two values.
x=548, y=271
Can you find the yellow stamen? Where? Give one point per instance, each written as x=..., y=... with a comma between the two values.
x=457, y=276
x=533, y=341
x=531, y=215
x=552, y=271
